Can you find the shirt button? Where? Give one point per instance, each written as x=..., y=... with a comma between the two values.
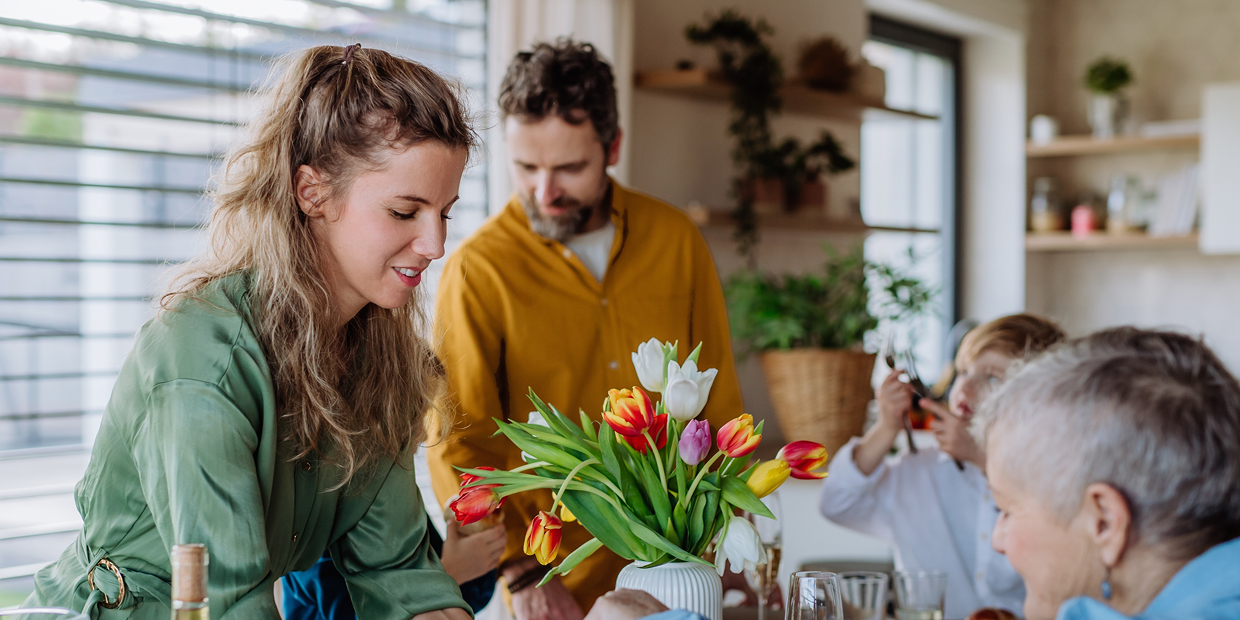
x=984, y=535
x=295, y=536
x=567, y=252
x=604, y=302
x=305, y=465
x=980, y=574
x=613, y=364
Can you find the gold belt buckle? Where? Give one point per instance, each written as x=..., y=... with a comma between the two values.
x=120, y=580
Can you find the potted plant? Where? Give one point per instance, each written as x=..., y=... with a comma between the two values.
x=750, y=66
x=810, y=330
x=1106, y=79
x=825, y=156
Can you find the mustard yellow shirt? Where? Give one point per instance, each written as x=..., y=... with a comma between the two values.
x=517, y=311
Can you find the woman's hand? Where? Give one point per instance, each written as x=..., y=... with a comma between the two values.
x=469, y=556
x=895, y=399
x=451, y=613
x=952, y=433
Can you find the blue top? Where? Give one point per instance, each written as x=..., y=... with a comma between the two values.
x=675, y=614
x=1207, y=588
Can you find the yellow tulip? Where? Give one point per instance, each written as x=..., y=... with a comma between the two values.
x=565, y=515
x=767, y=477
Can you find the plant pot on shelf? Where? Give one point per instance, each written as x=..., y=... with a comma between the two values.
x=679, y=585
x=813, y=196
x=819, y=394
x=769, y=196
x=1107, y=112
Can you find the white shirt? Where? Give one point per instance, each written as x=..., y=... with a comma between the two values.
x=593, y=249
x=935, y=516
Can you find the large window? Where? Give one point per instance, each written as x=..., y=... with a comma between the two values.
x=112, y=116
x=909, y=175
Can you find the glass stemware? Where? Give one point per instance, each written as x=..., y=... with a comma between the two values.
x=814, y=595
x=765, y=575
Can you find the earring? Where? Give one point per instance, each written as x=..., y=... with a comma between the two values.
x=1106, y=585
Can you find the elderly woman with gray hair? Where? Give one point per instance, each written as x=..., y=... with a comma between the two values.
x=1115, y=464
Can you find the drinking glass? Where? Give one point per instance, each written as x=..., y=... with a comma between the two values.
x=919, y=594
x=865, y=595
x=770, y=532
x=814, y=595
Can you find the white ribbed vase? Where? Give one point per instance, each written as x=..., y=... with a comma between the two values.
x=679, y=585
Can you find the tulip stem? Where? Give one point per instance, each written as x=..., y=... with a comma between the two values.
x=701, y=474
x=658, y=460
x=568, y=479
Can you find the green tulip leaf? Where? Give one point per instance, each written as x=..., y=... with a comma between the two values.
x=573, y=559
x=735, y=492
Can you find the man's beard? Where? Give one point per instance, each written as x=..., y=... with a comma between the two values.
x=559, y=227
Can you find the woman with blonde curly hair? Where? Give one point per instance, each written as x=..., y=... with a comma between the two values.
x=272, y=409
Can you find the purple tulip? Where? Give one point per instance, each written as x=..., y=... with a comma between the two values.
x=695, y=442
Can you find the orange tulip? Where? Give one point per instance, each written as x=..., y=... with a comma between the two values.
x=543, y=538
x=629, y=412
x=737, y=438
x=658, y=432
x=804, y=456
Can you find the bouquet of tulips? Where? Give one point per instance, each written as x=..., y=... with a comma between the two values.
x=643, y=483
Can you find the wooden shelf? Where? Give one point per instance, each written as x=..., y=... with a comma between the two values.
x=714, y=218
x=798, y=98
x=1102, y=241
x=1068, y=146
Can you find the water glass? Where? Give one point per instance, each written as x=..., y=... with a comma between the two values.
x=814, y=595
x=919, y=594
x=865, y=595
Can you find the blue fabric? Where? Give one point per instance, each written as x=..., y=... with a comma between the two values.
x=1207, y=588
x=675, y=614
x=320, y=593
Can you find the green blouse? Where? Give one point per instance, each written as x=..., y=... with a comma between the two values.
x=190, y=452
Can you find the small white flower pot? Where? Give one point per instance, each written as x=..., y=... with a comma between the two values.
x=679, y=585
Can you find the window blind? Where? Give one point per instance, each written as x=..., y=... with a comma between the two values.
x=113, y=116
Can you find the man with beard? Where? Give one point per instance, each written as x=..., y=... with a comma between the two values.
x=556, y=291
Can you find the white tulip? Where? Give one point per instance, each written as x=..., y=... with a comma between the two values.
x=536, y=419
x=681, y=399
x=701, y=380
x=648, y=361
x=739, y=545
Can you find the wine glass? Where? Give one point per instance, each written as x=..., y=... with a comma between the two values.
x=814, y=595
x=765, y=575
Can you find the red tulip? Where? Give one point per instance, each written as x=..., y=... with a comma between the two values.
x=543, y=538
x=658, y=432
x=467, y=479
x=475, y=504
x=737, y=438
x=804, y=456
x=629, y=412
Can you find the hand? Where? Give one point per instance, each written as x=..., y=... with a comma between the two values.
x=952, y=433
x=625, y=605
x=469, y=556
x=895, y=400
x=548, y=602
x=451, y=613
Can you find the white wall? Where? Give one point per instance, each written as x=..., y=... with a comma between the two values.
x=1174, y=49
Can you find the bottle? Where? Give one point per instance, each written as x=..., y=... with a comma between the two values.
x=1044, y=213
x=189, y=582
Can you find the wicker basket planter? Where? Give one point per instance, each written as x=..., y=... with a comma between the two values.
x=819, y=394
